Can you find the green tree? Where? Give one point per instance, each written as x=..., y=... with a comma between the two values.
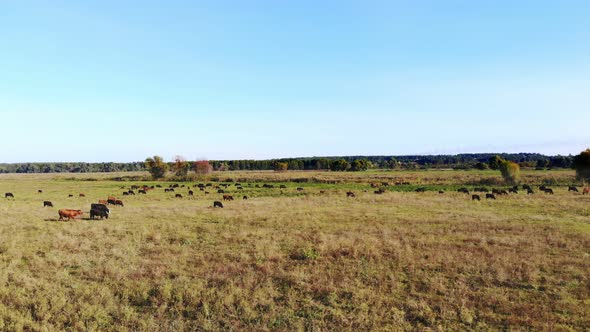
x=510, y=172
x=581, y=164
x=481, y=166
x=495, y=162
x=359, y=165
x=339, y=165
x=156, y=166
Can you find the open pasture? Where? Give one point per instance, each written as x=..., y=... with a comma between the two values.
x=288, y=259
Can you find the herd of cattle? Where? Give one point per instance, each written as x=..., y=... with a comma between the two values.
x=101, y=210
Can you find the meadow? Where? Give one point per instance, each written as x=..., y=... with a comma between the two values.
x=289, y=260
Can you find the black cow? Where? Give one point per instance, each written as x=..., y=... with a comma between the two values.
x=6, y=195
x=190, y=193
x=217, y=204
x=245, y=197
x=125, y=193
x=572, y=188
x=299, y=189
x=178, y=196
x=475, y=198
x=99, y=210
x=131, y=192
x=420, y=190
x=143, y=192
x=526, y=187
x=40, y=191
x=47, y=203
x=441, y=192
x=512, y=190
x=490, y=196
x=548, y=191
x=220, y=191
x=463, y=190
x=530, y=191
x=350, y=194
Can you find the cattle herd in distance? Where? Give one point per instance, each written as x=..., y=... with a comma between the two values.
x=101, y=208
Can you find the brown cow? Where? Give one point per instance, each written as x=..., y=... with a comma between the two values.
x=228, y=198
x=67, y=213
x=81, y=195
x=102, y=201
x=586, y=191
x=119, y=202
x=350, y=194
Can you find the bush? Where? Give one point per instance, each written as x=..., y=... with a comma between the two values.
x=510, y=172
x=180, y=166
x=203, y=167
x=339, y=165
x=156, y=166
x=281, y=167
x=581, y=164
x=359, y=165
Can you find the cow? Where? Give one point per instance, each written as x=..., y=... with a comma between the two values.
x=178, y=196
x=245, y=197
x=207, y=193
x=529, y=191
x=420, y=190
x=572, y=188
x=526, y=187
x=217, y=204
x=322, y=192
x=240, y=188
x=496, y=191
x=512, y=190
x=158, y=186
x=228, y=198
x=99, y=210
x=102, y=201
x=299, y=189
x=490, y=196
x=47, y=203
x=125, y=193
x=586, y=191
x=220, y=191
x=67, y=213
x=502, y=192
x=81, y=195
x=385, y=184
x=191, y=193
x=548, y=191
x=143, y=192
x=463, y=190
x=6, y=195
x=175, y=185
x=40, y=191
x=70, y=195
x=441, y=192
x=111, y=198
x=542, y=188
x=374, y=185
x=131, y=192
x=119, y=202
x=350, y=194
x=134, y=187
x=166, y=190
x=379, y=192
x=475, y=198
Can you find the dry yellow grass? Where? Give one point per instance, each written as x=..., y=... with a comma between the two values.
x=295, y=261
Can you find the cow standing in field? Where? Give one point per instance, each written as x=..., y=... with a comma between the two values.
x=191, y=193
x=228, y=198
x=142, y=192
x=245, y=197
x=40, y=191
x=586, y=191
x=178, y=196
x=119, y=202
x=350, y=194
x=47, y=204
x=463, y=190
x=475, y=198
x=7, y=195
x=490, y=196
x=548, y=191
x=217, y=204
x=68, y=213
x=572, y=188
x=99, y=210
x=102, y=201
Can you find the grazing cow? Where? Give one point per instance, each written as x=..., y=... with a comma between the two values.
x=542, y=188
x=99, y=210
x=70, y=195
x=220, y=191
x=490, y=196
x=572, y=188
x=190, y=193
x=119, y=202
x=322, y=191
x=178, y=196
x=512, y=190
x=111, y=198
x=166, y=190
x=182, y=186
x=6, y=195
x=463, y=190
x=526, y=187
x=131, y=192
x=240, y=188
x=350, y=194
x=385, y=184
x=586, y=191
x=208, y=184
x=245, y=197
x=374, y=185
x=379, y=192
x=503, y=192
x=475, y=198
x=548, y=191
x=228, y=198
x=529, y=191
x=495, y=191
x=47, y=203
x=81, y=195
x=420, y=190
x=207, y=193
x=67, y=213
x=125, y=193
x=202, y=189
x=40, y=191
x=143, y=192
x=217, y=204
x=299, y=189
x=134, y=187
x=175, y=185
x=102, y=201
x=441, y=192
x=158, y=186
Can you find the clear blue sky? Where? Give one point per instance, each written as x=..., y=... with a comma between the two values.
x=123, y=80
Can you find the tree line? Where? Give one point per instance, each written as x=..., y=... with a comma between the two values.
x=347, y=163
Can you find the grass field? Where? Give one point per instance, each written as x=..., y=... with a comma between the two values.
x=291, y=260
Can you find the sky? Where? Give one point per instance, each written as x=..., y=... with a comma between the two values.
x=119, y=81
